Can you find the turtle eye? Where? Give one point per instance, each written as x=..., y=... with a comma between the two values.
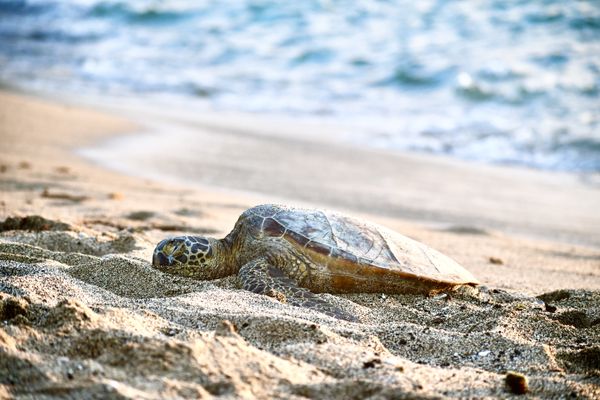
x=178, y=250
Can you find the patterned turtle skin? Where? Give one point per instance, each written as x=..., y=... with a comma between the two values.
x=292, y=253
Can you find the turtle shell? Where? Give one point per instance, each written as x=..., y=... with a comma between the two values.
x=356, y=252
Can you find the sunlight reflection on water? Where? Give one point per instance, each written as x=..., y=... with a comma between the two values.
x=501, y=81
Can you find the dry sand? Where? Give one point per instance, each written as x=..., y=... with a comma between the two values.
x=85, y=316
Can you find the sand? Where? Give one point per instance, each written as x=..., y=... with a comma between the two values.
x=325, y=164
x=84, y=315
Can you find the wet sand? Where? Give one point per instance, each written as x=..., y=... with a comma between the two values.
x=84, y=314
x=317, y=163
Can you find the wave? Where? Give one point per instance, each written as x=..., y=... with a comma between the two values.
x=149, y=14
x=426, y=76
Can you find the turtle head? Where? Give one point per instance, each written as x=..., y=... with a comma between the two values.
x=192, y=256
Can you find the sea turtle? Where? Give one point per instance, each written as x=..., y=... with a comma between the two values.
x=292, y=253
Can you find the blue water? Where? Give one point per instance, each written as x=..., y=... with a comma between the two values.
x=505, y=81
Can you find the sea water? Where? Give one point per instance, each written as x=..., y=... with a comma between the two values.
x=501, y=81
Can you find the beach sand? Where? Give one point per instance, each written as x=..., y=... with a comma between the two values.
x=84, y=315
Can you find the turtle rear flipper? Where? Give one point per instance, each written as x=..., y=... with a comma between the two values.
x=259, y=276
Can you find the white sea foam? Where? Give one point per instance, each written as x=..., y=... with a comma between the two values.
x=504, y=81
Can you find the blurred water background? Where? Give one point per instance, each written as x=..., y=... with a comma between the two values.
x=507, y=81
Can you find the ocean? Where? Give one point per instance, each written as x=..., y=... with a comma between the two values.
x=503, y=82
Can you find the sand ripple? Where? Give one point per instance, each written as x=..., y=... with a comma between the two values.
x=92, y=320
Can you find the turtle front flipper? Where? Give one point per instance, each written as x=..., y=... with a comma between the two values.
x=259, y=276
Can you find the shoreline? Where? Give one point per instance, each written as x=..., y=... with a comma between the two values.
x=315, y=165
x=85, y=315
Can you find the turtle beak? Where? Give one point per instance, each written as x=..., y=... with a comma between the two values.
x=159, y=259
